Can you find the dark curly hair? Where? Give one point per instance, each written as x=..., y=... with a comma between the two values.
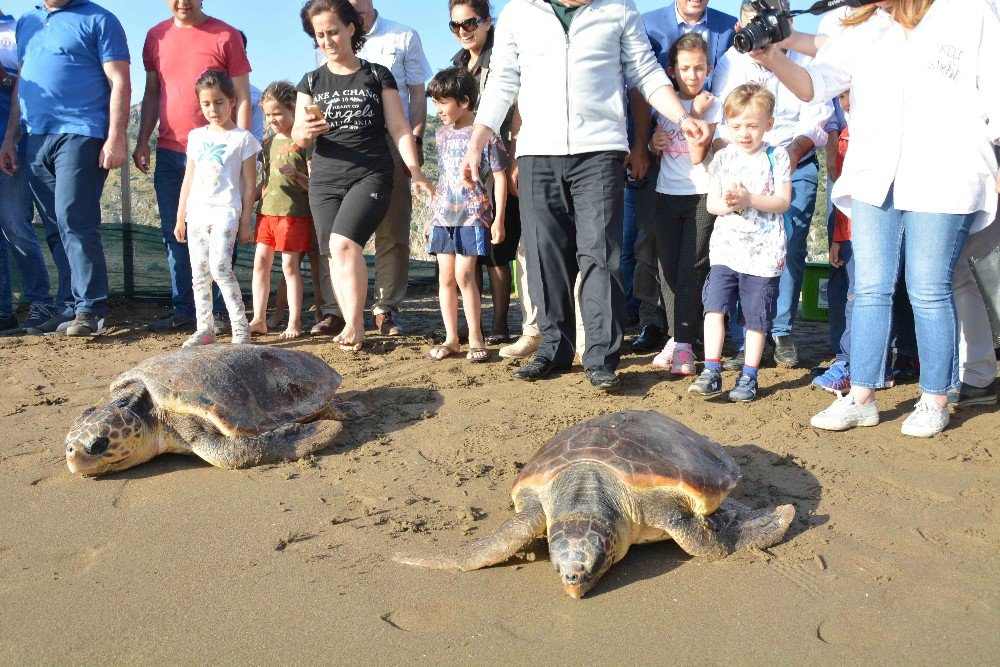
x=213, y=78
x=344, y=11
x=480, y=7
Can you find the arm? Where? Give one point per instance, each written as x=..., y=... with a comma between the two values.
x=148, y=118
x=418, y=115
x=400, y=131
x=715, y=204
x=180, y=230
x=244, y=108
x=513, y=174
x=497, y=231
x=832, y=141
x=804, y=43
x=113, y=154
x=638, y=157
x=795, y=78
x=501, y=90
x=244, y=234
x=779, y=202
x=306, y=128
x=12, y=135
x=665, y=100
x=699, y=151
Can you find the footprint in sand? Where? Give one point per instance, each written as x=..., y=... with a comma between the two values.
x=429, y=619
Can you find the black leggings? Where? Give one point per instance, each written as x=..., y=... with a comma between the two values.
x=683, y=229
x=354, y=212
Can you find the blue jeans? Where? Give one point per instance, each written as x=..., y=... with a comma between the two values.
x=67, y=185
x=840, y=291
x=17, y=236
x=167, y=181
x=798, y=218
x=930, y=243
x=630, y=232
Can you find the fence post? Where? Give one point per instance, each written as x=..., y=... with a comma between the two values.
x=128, y=268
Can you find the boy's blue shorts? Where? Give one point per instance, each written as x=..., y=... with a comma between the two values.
x=470, y=241
x=756, y=295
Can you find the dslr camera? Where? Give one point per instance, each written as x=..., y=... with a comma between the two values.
x=770, y=25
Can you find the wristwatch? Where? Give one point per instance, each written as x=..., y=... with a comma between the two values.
x=680, y=121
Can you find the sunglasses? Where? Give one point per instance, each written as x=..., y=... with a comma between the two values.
x=468, y=25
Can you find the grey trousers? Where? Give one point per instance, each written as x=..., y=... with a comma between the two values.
x=646, y=283
x=571, y=209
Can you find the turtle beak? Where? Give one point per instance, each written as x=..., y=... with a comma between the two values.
x=574, y=591
x=576, y=584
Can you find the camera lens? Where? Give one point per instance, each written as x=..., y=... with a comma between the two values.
x=754, y=36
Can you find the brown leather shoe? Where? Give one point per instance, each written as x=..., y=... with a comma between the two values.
x=387, y=325
x=331, y=325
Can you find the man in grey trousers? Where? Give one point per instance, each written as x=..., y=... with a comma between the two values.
x=565, y=61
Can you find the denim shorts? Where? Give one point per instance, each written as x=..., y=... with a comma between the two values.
x=469, y=241
x=756, y=295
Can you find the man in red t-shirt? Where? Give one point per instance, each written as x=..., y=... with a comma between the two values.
x=178, y=51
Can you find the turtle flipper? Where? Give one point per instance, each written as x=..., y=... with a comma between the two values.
x=513, y=535
x=286, y=443
x=344, y=411
x=763, y=528
x=730, y=528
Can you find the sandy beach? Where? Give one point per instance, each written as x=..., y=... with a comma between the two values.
x=892, y=557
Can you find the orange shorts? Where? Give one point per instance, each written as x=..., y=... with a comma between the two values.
x=283, y=233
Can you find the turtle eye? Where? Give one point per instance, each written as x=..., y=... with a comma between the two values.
x=98, y=446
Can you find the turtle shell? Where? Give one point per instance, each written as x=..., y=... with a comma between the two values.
x=645, y=450
x=241, y=389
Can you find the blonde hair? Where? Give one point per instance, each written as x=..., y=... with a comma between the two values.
x=748, y=95
x=907, y=13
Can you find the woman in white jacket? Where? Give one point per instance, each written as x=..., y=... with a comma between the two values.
x=921, y=173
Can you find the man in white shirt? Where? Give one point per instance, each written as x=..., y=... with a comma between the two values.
x=397, y=47
x=799, y=128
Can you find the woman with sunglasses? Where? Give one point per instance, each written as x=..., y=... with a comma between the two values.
x=473, y=27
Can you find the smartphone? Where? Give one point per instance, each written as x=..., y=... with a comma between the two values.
x=314, y=111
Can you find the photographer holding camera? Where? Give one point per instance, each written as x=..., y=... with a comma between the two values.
x=799, y=128
x=913, y=194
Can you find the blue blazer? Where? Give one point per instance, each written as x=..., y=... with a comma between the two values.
x=661, y=26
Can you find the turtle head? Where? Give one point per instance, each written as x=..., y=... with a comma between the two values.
x=581, y=549
x=110, y=438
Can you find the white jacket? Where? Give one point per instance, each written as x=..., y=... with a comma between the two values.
x=570, y=89
x=925, y=110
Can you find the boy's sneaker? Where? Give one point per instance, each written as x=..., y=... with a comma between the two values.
x=846, y=413
x=86, y=324
x=200, y=338
x=928, y=419
x=666, y=356
x=683, y=362
x=834, y=379
x=709, y=383
x=52, y=325
x=745, y=390
x=38, y=315
x=966, y=396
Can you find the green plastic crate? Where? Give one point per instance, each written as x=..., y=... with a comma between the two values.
x=815, y=301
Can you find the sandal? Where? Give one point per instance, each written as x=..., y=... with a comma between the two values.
x=478, y=355
x=443, y=352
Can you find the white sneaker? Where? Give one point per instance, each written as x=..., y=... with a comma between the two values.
x=200, y=338
x=928, y=419
x=846, y=413
x=665, y=358
x=522, y=348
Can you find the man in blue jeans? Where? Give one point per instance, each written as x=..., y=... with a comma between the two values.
x=17, y=234
x=74, y=93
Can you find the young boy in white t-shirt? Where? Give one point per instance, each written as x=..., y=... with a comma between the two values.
x=750, y=188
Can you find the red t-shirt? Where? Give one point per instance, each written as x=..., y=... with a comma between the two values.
x=179, y=56
x=841, y=223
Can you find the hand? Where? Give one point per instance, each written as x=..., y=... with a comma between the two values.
x=315, y=127
x=514, y=179
x=764, y=57
x=696, y=130
x=113, y=154
x=637, y=161
x=8, y=158
x=997, y=187
x=661, y=140
x=288, y=171
x=834, y=173
x=180, y=231
x=737, y=197
x=140, y=157
x=497, y=233
x=244, y=234
x=420, y=183
x=835, y=260
x=702, y=102
x=427, y=232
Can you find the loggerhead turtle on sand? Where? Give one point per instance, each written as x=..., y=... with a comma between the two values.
x=235, y=406
x=617, y=480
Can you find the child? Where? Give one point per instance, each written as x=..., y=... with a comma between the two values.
x=463, y=222
x=749, y=189
x=216, y=204
x=285, y=222
x=683, y=223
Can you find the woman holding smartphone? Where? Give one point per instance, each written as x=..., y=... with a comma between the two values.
x=346, y=107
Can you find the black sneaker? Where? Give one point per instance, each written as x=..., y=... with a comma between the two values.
x=58, y=323
x=38, y=315
x=86, y=324
x=735, y=363
x=9, y=325
x=603, y=377
x=173, y=324
x=650, y=339
x=785, y=353
x=537, y=369
x=967, y=396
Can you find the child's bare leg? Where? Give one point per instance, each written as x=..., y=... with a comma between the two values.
x=448, y=296
x=466, y=269
x=291, y=265
x=715, y=335
x=753, y=348
x=500, y=282
x=280, y=303
x=314, y=260
x=262, y=261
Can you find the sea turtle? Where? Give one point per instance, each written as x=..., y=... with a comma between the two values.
x=233, y=405
x=617, y=480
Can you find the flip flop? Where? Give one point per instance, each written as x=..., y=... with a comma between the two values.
x=478, y=355
x=448, y=352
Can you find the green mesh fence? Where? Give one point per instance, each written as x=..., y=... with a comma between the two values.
x=137, y=264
